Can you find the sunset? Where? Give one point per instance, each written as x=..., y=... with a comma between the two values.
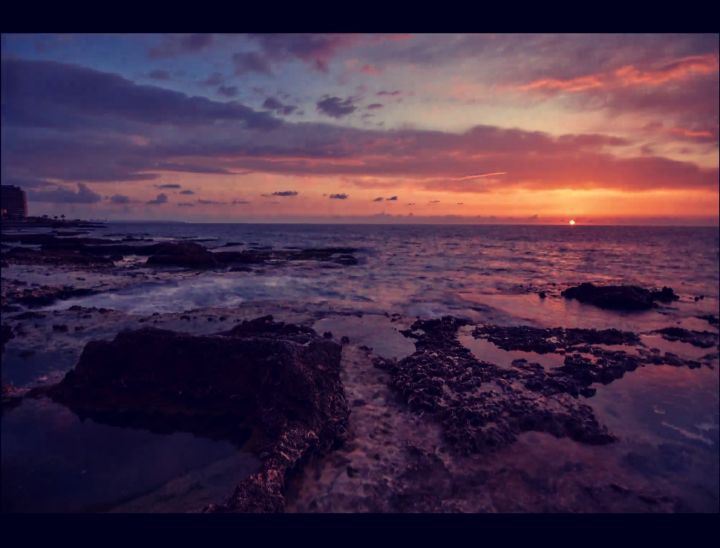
x=470, y=128
x=360, y=277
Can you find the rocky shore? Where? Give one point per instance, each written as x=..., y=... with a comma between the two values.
x=345, y=411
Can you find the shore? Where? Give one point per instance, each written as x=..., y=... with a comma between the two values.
x=399, y=413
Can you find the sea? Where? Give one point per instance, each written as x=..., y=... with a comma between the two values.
x=666, y=417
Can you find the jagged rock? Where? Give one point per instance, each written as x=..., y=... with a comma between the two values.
x=279, y=382
x=619, y=297
x=481, y=406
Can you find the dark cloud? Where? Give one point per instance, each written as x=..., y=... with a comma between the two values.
x=62, y=195
x=159, y=74
x=187, y=192
x=214, y=79
x=119, y=199
x=271, y=103
x=210, y=202
x=169, y=186
x=173, y=45
x=336, y=107
x=314, y=49
x=68, y=123
x=378, y=199
x=239, y=202
x=392, y=199
x=285, y=193
x=228, y=91
x=338, y=196
x=26, y=183
x=374, y=106
x=158, y=200
x=251, y=61
x=393, y=93
x=57, y=95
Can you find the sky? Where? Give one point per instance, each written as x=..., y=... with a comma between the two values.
x=517, y=128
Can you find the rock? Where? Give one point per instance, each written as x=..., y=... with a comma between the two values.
x=701, y=339
x=279, y=381
x=619, y=297
x=187, y=254
x=710, y=318
x=542, y=341
x=480, y=405
x=6, y=333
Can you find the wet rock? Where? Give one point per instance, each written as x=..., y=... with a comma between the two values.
x=187, y=254
x=481, y=406
x=709, y=318
x=542, y=341
x=619, y=297
x=6, y=333
x=278, y=381
x=13, y=293
x=701, y=339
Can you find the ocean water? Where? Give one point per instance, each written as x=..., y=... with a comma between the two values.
x=666, y=418
x=432, y=270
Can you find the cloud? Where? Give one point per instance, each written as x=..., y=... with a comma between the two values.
x=338, y=196
x=62, y=195
x=250, y=61
x=386, y=93
x=174, y=45
x=210, y=202
x=169, y=186
x=68, y=124
x=187, y=192
x=284, y=193
x=158, y=200
x=214, y=79
x=119, y=199
x=228, y=91
x=374, y=106
x=159, y=74
x=336, y=107
x=239, y=202
x=313, y=49
x=68, y=95
x=185, y=204
x=271, y=103
x=392, y=199
x=378, y=199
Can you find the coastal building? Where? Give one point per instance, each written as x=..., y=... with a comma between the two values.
x=13, y=202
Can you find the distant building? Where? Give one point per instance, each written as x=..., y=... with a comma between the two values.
x=13, y=202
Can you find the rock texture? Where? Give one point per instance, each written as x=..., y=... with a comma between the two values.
x=619, y=297
x=481, y=406
x=276, y=381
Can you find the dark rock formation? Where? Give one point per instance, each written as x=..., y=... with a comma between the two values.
x=480, y=405
x=541, y=341
x=276, y=381
x=187, y=254
x=619, y=297
x=701, y=339
x=6, y=334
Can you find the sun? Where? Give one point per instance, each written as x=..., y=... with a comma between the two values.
x=572, y=222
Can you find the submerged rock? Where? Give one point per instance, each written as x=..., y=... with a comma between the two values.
x=186, y=254
x=281, y=382
x=619, y=297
